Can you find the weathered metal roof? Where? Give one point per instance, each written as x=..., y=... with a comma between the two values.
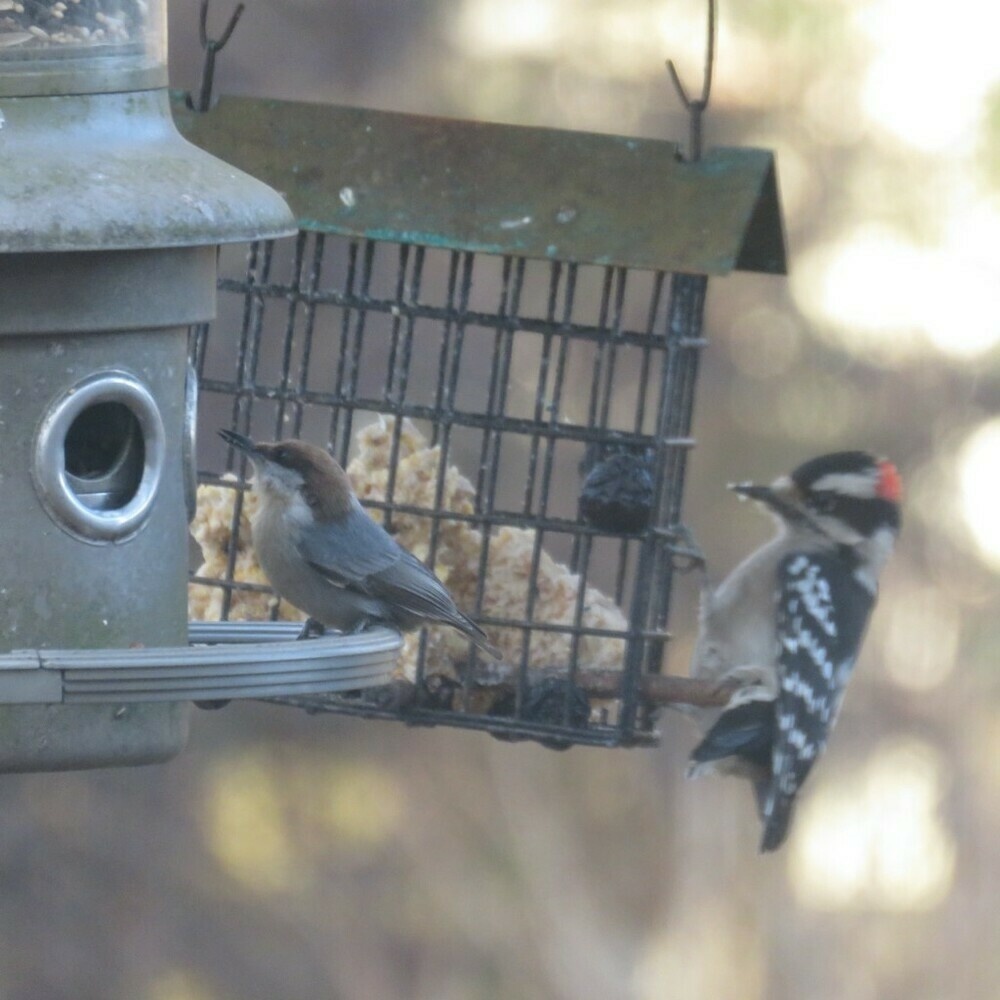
x=534, y=192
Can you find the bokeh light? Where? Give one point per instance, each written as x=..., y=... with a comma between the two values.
x=875, y=839
x=979, y=482
x=961, y=303
x=521, y=28
x=920, y=628
x=270, y=821
x=878, y=291
x=178, y=984
x=692, y=958
x=605, y=38
x=246, y=828
x=930, y=74
x=832, y=111
x=860, y=285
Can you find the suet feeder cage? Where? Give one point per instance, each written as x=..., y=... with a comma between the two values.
x=109, y=227
x=497, y=330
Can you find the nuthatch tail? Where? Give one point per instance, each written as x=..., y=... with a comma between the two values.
x=324, y=554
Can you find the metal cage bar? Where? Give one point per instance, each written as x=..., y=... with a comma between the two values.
x=318, y=333
x=532, y=301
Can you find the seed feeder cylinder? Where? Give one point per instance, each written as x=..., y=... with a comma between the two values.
x=109, y=223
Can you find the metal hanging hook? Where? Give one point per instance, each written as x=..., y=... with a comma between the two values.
x=695, y=107
x=211, y=47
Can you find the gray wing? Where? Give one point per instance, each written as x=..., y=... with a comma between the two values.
x=350, y=552
x=415, y=593
x=410, y=585
x=360, y=555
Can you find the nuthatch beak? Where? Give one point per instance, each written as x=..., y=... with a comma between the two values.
x=238, y=441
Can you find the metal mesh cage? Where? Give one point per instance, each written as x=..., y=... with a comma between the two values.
x=522, y=424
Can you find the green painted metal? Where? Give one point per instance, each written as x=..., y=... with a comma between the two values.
x=534, y=192
x=114, y=293
x=111, y=172
x=71, y=737
x=109, y=223
x=62, y=591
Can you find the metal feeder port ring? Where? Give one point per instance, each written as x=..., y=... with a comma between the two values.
x=99, y=455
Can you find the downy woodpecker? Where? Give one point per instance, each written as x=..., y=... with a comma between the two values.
x=787, y=624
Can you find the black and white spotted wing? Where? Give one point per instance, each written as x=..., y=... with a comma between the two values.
x=822, y=613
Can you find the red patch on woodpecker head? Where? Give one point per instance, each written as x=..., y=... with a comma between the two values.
x=890, y=483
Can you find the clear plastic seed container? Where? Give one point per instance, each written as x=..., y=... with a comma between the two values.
x=54, y=47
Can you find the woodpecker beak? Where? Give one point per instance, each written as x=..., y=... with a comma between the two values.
x=239, y=442
x=751, y=491
x=781, y=497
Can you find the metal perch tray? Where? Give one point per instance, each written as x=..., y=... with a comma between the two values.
x=222, y=660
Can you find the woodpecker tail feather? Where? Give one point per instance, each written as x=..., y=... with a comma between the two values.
x=776, y=813
x=746, y=731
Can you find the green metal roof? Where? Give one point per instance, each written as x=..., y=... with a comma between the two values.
x=534, y=192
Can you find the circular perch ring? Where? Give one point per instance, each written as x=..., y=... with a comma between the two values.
x=224, y=660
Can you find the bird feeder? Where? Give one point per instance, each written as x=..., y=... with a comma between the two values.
x=497, y=330
x=109, y=227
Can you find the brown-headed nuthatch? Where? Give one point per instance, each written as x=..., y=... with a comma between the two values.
x=323, y=553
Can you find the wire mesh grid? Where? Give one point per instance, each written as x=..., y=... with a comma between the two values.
x=526, y=375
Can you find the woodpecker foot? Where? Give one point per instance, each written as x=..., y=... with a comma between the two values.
x=685, y=551
x=754, y=683
x=311, y=629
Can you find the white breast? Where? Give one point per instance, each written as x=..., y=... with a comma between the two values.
x=738, y=617
x=276, y=529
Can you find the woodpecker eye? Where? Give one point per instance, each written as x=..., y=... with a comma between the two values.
x=823, y=503
x=280, y=454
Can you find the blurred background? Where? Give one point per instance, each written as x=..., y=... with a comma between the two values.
x=289, y=856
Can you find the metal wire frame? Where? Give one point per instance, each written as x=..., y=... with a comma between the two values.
x=624, y=379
